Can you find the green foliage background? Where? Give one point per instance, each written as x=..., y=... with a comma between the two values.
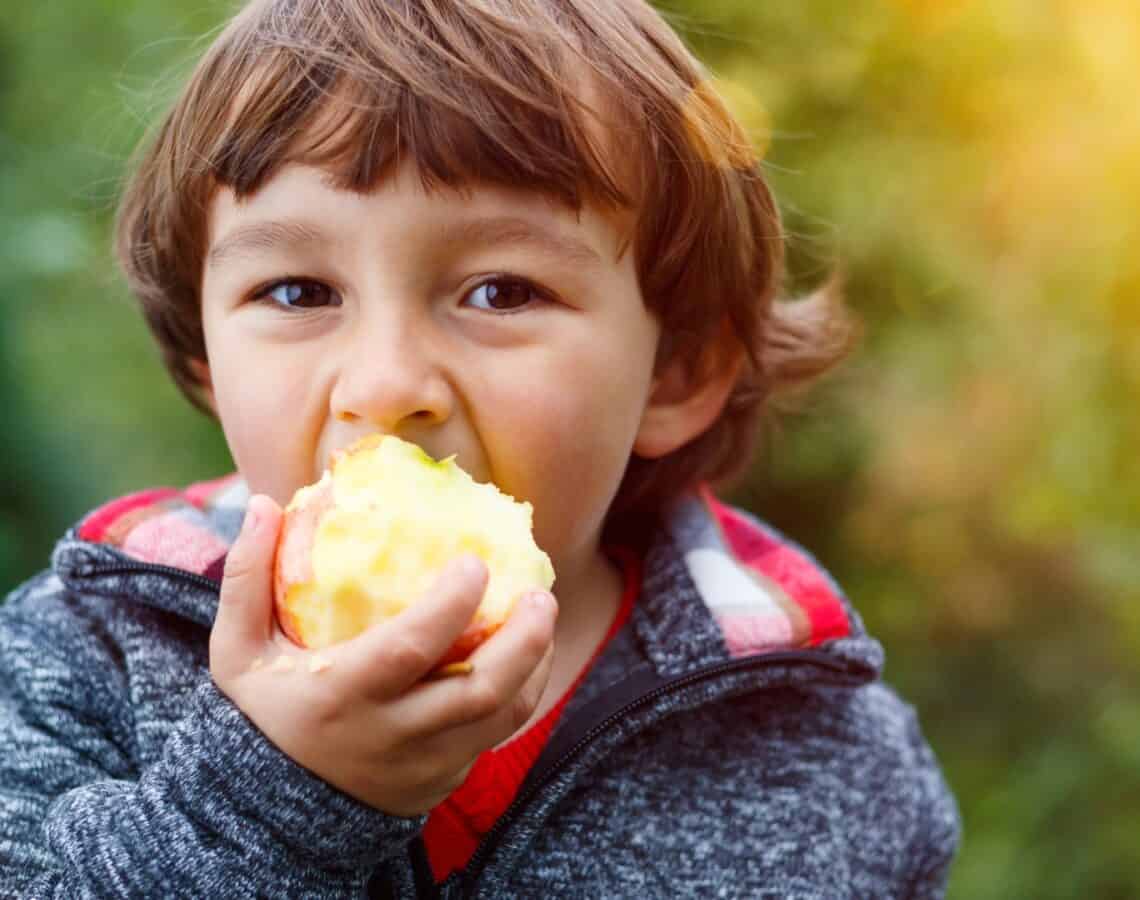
x=972, y=167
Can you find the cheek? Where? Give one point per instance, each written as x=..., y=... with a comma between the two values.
x=567, y=451
x=265, y=420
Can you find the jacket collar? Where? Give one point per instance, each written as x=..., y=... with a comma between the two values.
x=163, y=547
x=718, y=583
x=727, y=586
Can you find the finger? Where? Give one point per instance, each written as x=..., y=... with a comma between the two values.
x=509, y=674
x=395, y=654
x=467, y=741
x=245, y=607
x=514, y=716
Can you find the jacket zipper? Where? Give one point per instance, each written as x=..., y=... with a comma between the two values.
x=492, y=839
x=421, y=869
x=151, y=569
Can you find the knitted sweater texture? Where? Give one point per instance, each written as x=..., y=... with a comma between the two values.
x=734, y=740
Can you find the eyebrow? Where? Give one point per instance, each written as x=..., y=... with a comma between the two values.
x=516, y=230
x=246, y=240
x=292, y=234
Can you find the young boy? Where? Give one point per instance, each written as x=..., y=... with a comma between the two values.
x=527, y=233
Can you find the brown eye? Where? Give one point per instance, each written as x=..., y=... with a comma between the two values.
x=503, y=295
x=300, y=293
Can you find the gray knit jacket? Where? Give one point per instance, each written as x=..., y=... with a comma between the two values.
x=732, y=741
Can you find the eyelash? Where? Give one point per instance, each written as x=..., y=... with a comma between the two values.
x=540, y=295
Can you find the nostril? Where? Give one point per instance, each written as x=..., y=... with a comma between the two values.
x=346, y=416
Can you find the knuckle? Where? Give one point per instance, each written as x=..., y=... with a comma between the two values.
x=404, y=653
x=419, y=771
x=223, y=665
x=237, y=567
x=482, y=698
x=396, y=737
x=401, y=736
x=455, y=779
x=325, y=708
x=428, y=771
x=521, y=708
x=535, y=644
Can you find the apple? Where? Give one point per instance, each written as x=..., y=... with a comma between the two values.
x=370, y=537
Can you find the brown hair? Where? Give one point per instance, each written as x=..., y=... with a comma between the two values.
x=481, y=91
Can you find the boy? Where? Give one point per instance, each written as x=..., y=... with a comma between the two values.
x=526, y=233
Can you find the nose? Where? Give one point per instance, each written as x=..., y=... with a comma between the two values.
x=390, y=377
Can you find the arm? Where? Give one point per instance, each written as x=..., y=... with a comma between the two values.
x=222, y=813
x=277, y=782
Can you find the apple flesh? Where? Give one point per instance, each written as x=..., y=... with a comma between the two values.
x=371, y=536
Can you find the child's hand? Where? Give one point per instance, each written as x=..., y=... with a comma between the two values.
x=359, y=714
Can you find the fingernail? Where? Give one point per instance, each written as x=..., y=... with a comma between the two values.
x=542, y=601
x=470, y=566
x=251, y=521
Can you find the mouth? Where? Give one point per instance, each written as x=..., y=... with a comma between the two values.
x=437, y=450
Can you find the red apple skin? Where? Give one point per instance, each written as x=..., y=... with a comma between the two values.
x=473, y=635
x=293, y=565
x=293, y=562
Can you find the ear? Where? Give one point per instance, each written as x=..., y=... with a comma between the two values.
x=201, y=370
x=687, y=396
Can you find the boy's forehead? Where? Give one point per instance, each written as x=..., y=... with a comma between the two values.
x=302, y=203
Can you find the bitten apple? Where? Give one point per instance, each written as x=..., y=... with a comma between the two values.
x=373, y=534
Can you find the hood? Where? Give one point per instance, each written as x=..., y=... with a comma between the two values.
x=718, y=583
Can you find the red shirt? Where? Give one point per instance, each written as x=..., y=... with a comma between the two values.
x=455, y=827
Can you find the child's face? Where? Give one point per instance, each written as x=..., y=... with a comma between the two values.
x=496, y=326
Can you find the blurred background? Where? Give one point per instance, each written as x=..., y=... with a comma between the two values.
x=973, y=167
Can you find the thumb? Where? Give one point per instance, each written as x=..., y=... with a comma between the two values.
x=245, y=609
